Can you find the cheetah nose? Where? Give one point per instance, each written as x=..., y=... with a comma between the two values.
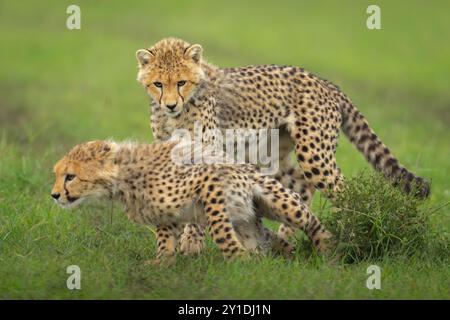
x=55, y=196
x=171, y=106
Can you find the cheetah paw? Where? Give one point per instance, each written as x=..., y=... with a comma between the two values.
x=191, y=245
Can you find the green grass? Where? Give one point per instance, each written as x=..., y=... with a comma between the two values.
x=374, y=220
x=61, y=87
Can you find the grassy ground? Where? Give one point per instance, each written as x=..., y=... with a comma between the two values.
x=60, y=87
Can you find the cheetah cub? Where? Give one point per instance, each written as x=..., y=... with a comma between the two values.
x=308, y=111
x=158, y=191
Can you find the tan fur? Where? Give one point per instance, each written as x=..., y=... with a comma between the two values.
x=308, y=110
x=158, y=192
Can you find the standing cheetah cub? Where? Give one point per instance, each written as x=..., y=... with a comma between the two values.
x=157, y=191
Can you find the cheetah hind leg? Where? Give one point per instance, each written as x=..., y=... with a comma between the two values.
x=259, y=240
x=288, y=208
x=291, y=176
x=222, y=231
x=267, y=238
x=317, y=160
x=279, y=245
x=192, y=241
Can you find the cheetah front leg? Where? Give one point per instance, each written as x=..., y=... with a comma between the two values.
x=167, y=240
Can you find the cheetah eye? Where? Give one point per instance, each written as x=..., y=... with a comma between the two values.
x=70, y=177
x=181, y=83
x=157, y=84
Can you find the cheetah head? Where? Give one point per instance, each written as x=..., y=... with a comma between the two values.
x=170, y=71
x=85, y=172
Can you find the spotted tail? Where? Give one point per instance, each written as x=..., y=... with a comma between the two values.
x=357, y=129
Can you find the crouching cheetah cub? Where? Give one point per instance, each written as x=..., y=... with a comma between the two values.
x=158, y=191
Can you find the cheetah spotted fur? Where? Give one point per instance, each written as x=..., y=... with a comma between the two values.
x=156, y=191
x=308, y=110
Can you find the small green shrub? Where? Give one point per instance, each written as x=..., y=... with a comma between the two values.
x=373, y=219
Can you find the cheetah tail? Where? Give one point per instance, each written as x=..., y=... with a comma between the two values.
x=357, y=129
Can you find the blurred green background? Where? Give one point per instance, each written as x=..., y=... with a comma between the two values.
x=59, y=87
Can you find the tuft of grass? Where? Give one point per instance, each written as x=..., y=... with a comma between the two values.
x=374, y=219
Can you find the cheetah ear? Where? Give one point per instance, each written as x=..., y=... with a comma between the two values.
x=144, y=56
x=194, y=52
